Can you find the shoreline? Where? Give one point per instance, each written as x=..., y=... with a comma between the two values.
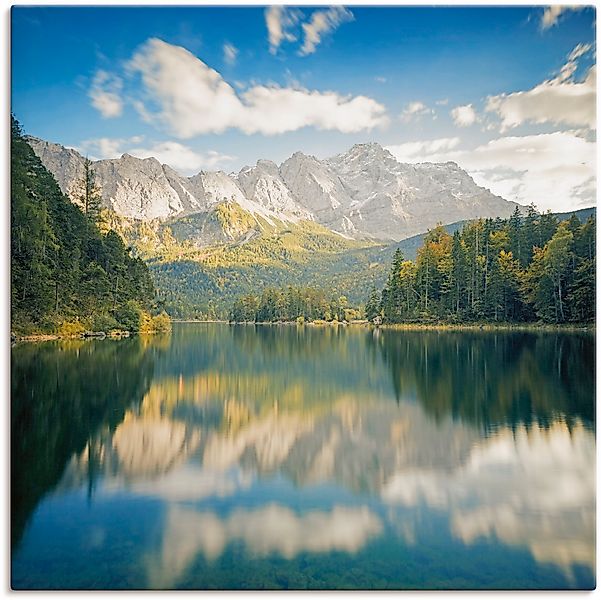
x=534, y=326
x=52, y=337
x=440, y=327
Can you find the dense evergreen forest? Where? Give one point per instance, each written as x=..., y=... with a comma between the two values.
x=69, y=273
x=292, y=304
x=525, y=268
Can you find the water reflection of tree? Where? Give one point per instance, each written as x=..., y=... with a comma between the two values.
x=63, y=395
x=494, y=379
x=268, y=363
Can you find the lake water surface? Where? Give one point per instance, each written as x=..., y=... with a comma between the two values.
x=282, y=457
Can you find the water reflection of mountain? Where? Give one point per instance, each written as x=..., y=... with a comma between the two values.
x=529, y=487
x=63, y=394
x=493, y=430
x=307, y=403
x=492, y=379
x=526, y=489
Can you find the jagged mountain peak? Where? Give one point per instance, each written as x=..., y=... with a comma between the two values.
x=364, y=154
x=131, y=161
x=363, y=192
x=368, y=148
x=264, y=185
x=301, y=158
x=266, y=164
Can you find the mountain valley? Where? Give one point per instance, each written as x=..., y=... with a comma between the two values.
x=331, y=223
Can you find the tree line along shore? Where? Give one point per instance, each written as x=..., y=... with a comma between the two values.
x=73, y=276
x=70, y=274
x=530, y=270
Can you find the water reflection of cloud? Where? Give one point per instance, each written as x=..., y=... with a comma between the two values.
x=533, y=488
x=192, y=483
x=273, y=529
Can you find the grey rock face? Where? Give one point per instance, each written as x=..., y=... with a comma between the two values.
x=263, y=184
x=393, y=200
x=364, y=192
x=65, y=164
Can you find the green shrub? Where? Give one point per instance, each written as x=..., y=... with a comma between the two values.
x=162, y=322
x=146, y=325
x=70, y=328
x=104, y=323
x=129, y=316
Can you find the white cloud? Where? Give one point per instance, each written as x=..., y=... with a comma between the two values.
x=556, y=171
x=551, y=14
x=422, y=151
x=105, y=93
x=464, y=116
x=193, y=99
x=178, y=156
x=415, y=110
x=100, y=148
x=272, y=110
x=279, y=20
x=442, y=102
x=321, y=23
x=530, y=487
x=560, y=100
x=271, y=529
x=380, y=79
x=182, y=158
x=230, y=53
x=190, y=483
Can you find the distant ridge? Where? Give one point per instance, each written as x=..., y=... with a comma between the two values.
x=364, y=193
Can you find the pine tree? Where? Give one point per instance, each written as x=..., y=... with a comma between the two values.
x=62, y=267
x=372, y=306
x=557, y=256
x=475, y=274
x=89, y=196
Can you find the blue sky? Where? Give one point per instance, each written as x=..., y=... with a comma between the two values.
x=507, y=93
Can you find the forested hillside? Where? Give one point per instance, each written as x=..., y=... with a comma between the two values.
x=526, y=268
x=67, y=274
x=290, y=304
x=202, y=281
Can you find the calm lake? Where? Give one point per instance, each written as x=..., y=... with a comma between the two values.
x=281, y=457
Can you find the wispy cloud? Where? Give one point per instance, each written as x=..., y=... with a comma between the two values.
x=282, y=25
x=280, y=21
x=105, y=93
x=193, y=99
x=551, y=14
x=230, y=53
x=322, y=22
x=553, y=170
x=178, y=156
x=414, y=111
x=423, y=151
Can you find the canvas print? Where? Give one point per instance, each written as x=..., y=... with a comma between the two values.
x=302, y=297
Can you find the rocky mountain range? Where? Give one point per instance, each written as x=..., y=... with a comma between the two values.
x=362, y=193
